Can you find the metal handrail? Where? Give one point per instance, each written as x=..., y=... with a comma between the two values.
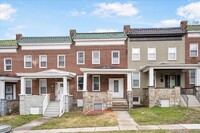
x=196, y=93
x=62, y=105
x=45, y=103
x=184, y=95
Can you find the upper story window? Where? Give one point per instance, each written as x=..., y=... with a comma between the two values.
x=61, y=61
x=95, y=57
x=7, y=64
x=171, y=53
x=96, y=83
x=43, y=61
x=151, y=53
x=80, y=57
x=27, y=61
x=194, y=50
x=136, y=80
x=192, y=76
x=79, y=83
x=28, y=86
x=43, y=86
x=115, y=57
x=135, y=53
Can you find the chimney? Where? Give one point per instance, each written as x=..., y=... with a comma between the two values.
x=72, y=32
x=18, y=36
x=183, y=24
x=126, y=28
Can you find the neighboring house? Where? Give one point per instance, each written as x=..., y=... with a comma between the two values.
x=157, y=54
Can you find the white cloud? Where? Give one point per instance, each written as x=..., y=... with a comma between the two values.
x=75, y=13
x=105, y=30
x=18, y=28
x=6, y=11
x=170, y=22
x=190, y=11
x=115, y=9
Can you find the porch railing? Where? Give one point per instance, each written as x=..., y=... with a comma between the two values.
x=45, y=102
x=184, y=95
x=196, y=93
x=62, y=105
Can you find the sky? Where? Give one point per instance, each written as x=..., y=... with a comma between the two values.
x=57, y=17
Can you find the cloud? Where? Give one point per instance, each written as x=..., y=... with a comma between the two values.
x=75, y=13
x=6, y=11
x=115, y=9
x=170, y=22
x=190, y=11
x=105, y=30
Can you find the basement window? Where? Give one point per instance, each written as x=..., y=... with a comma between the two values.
x=97, y=106
x=136, y=100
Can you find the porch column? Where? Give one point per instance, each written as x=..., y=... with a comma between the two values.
x=129, y=78
x=197, y=77
x=151, y=77
x=65, y=88
x=85, y=81
x=2, y=89
x=23, y=86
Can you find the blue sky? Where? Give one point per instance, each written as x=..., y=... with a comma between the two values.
x=57, y=17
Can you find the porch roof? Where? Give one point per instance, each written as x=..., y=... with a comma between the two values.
x=106, y=71
x=52, y=73
x=9, y=79
x=169, y=66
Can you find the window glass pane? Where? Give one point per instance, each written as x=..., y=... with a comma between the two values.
x=8, y=67
x=95, y=57
x=8, y=61
x=96, y=86
x=192, y=76
x=80, y=83
x=61, y=60
x=96, y=83
x=136, y=79
x=28, y=86
x=80, y=57
x=116, y=86
x=135, y=53
x=28, y=64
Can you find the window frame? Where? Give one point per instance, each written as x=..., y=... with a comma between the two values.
x=5, y=65
x=58, y=65
x=77, y=82
x=190, y=72
x=41, y=84
x=93, y=82
x=174, y=53
x=196, y=49
x=135, y=79
x=30, y=86
x=93, y=62
x=25, y=61
x=77, y=53
x=40, y=61
x=136, y=53
x=118, y=62
x=148, y=50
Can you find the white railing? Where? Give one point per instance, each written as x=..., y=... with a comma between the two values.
x=62, y=105
x=45, y=102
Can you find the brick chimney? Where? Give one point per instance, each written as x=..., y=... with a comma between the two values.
x=72, y=32
x=18, y=36
x=183, y=24
x=126, y=28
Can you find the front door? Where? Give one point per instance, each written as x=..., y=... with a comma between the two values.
x=9, y=92
x=116, y=85
x=172, y=81
x=58, y=90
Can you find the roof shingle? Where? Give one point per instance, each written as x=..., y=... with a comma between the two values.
x=8, y=43
x=193, y=28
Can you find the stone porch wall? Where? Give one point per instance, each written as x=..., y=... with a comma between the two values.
x=173, y=95
x=89, y=98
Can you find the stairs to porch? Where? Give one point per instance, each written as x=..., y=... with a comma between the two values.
x=120, y=104
x=53, y=109
x=192, y=101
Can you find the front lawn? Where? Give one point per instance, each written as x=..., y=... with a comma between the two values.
x=17, y=120
x=77, y=119
x=170, y=115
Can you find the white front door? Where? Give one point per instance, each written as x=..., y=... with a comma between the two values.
x=116, y=85
x=58, y=90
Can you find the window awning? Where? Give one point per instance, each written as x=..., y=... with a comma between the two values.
x=106, y=71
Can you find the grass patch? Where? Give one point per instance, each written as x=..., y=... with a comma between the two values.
x=170, y=115
x=17, y=120
x=76, y=119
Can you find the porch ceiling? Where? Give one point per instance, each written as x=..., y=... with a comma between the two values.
x=52, y=73
x=170, y=66
x=106, y=71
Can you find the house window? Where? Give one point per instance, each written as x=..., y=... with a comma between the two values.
x=136, y=100
x=135, y=53
x=96, y=83
x=172, y=53
x=136, y=80
x=43, y=86
x=43, y=61
x=27, y=61
x=7, y=64
x=151, y=53
x=115, y=57
x=192, y=76
x=95, y=57
x=28, y=86
x=61, y=61
x=194, y=50
x=80, y=57
x=10, y=91
x=79, y=83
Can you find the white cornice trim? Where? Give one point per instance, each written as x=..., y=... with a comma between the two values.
x=91, y=40
x=35, y=44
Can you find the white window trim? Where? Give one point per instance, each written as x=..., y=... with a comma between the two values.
x=149, y=53
x=25, y=61
x=197, y=49
x=190, y=77
x=132, y=54
x=83, y=57
x=78, y=83
x=93, y=57
x=40, y=59
x=175, y=53
x=40, y=85
x=138, y=102
x=138, y=79
x=93, y=82
x=58, y=61
x=118, y=62
x=5, y=64
x=31, y=86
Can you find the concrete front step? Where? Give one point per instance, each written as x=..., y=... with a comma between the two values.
x=119, y=105
x=53, y=109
